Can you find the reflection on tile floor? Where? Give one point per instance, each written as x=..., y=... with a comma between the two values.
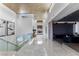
x=44, y=47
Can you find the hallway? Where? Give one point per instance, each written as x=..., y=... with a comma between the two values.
x=29, y=29
x=44, y=47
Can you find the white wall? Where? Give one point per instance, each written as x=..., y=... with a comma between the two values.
x=9, y=15
x=6, y=13
x=23, y=25
x=77, y=28
x=34, y=23
x=50, y=31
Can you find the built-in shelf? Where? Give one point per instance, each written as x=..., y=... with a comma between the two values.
x=39, y=21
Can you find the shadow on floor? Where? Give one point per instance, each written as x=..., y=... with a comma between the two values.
x=74, y=46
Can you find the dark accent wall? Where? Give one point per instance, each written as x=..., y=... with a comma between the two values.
x=62, y=29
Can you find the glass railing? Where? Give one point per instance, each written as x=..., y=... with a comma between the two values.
x=9, y=46
x=24, y=38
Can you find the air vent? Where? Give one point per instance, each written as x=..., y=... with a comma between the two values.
x=24, y=15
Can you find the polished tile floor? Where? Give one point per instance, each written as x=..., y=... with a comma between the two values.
x=44, y=47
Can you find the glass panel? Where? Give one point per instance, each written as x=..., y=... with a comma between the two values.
x=28, y=36
x=20, y=39
x=11, y=47
x=3, y=45
x=7, y=46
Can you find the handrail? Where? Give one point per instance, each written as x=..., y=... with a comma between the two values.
x=8, y=41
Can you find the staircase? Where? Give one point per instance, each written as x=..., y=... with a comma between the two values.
x=8, y=48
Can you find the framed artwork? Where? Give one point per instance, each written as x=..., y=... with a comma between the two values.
x=6, y=28
x=10, y=28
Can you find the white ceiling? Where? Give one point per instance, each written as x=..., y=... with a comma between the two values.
x=61, y=10
x=67, y=10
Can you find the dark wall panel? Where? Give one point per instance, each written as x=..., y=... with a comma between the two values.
x=62, y=28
